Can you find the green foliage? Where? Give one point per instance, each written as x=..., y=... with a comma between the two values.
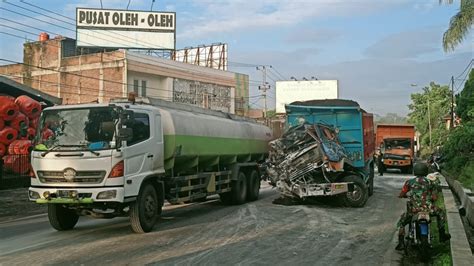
x=465, y=100
x=458, y=151
x=459, y=25
x=390, y=118
x=437, y=98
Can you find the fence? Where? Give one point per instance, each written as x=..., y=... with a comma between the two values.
x=14, y=171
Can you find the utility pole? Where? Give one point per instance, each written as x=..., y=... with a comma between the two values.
x=452, y=103
x=264, y=87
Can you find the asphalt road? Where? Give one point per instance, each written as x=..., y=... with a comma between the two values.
x=214, y=234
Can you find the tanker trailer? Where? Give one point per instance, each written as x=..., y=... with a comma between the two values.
x=127, y=158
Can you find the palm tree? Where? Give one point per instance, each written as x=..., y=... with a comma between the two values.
x=459, y=25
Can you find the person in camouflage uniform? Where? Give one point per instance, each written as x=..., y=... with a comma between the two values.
x=424, y=190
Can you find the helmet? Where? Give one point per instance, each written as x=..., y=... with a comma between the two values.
x=420, y=169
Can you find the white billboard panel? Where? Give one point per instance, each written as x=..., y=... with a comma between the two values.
x=125, y=29
x=291, y=91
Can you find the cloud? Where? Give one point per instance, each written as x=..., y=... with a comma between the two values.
x=243, y=15
x=407, y=44
x=312, y=36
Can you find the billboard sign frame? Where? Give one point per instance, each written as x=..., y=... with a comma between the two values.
x=111, y=28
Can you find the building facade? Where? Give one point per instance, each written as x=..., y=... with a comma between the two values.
x=59, y=68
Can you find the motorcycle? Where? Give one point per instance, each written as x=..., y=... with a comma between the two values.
x=434, y=162
x=419, y=235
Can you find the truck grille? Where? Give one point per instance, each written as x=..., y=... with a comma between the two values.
x=86, y=177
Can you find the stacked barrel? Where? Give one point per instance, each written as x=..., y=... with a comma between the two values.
x=18, y=122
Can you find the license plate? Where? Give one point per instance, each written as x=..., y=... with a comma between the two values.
x=66, y=193
x=339, y=186
x=395, y=163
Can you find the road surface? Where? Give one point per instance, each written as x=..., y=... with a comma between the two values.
x=211, y=233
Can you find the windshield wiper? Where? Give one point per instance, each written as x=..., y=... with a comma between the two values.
x=70, y=145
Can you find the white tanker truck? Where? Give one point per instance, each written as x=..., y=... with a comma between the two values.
x=126, y=159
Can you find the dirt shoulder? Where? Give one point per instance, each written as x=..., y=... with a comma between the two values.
x=14, y=204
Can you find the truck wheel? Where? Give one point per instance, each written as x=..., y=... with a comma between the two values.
x=359, y=196
x=239, y=189
x=253, y=188
x=62, y=218
x=145, y=210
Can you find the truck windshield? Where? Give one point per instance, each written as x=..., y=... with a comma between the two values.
x=77, y=129
x=397, y=143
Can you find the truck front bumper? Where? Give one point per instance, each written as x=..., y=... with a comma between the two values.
x=396, y=163
x=76, y=195
x=312, y=190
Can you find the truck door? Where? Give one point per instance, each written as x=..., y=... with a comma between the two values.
x=158, y=162
x=139, y=152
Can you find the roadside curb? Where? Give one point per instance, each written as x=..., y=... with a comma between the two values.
x=465, y=196
x=460, y=249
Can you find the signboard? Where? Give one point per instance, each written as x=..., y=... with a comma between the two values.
x=213, y=56
x=125, y=29
x=291, y=91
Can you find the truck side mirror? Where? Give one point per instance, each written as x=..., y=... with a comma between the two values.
x=125, y=134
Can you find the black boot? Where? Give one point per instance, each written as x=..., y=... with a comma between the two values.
x=443, y=236
x=401, y=242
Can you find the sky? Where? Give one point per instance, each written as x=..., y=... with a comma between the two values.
x=380, y=51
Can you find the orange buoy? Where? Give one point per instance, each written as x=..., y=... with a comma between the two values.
x=47, y=133
x=34, y=122
x=3, y=150
x=19, y=121
x=8, y=108
x=31, y=133
x=18, y=164
x=20, y=147
x=8, y=135
x=28, y=106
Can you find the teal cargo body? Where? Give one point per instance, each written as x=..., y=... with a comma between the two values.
x=354, y=125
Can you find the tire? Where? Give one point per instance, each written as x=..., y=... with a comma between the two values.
x=226, y=198
x=144, y=212
x=409, y=169
x=239, y=189
x=359, y=196
x=61, y=218
x=253, y=186
x=424, y=249
x=371, y=181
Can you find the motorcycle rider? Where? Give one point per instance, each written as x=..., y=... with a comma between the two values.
x=424, y=193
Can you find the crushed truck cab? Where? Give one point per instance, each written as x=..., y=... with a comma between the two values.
x=327, y=150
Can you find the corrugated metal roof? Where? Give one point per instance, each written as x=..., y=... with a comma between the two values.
x=15, y=89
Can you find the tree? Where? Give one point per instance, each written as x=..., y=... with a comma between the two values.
x=430, y=106
x=390, y=118
x=459, y=25
x=465, y=100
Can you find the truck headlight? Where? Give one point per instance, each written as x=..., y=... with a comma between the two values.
x=109, y=194
x=33, y=195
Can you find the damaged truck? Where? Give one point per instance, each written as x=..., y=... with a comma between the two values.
x=327, y=151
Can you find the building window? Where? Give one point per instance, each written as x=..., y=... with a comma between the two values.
x=143, y=88
x=135, y=86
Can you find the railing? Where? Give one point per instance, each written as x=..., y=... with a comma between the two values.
x=14, y=171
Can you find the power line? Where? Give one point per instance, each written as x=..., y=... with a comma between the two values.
x=276, y=71
x=467, y=67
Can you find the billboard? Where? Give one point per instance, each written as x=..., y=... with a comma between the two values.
x=110, y=28
x=213, y=56
x=291, y=91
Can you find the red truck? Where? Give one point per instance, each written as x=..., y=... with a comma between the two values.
x=396, y=147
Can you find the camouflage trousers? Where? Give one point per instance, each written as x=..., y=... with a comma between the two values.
x=406, y=218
